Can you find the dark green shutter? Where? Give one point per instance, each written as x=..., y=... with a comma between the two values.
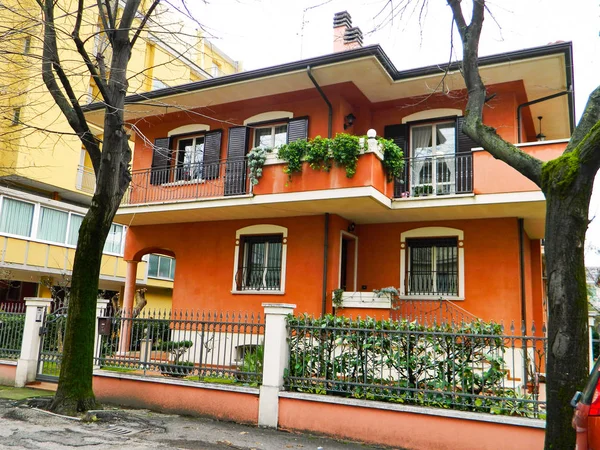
x=212, y=154
x=464, y=159
x=235, y=167
x=399, y=134
x=297, y=129
x=161, y=161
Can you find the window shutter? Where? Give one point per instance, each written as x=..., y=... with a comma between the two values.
x=235, y=168
x=297, y=129
x=464, y=159
x=161, y=158
x=212, y=154
x=464, y=143
x=399, y=134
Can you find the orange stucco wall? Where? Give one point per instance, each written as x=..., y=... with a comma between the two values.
x=490, y=175
x=205, y=263
x=7, y=374
x=492, y=277
x=173, y=398
x=405, y=430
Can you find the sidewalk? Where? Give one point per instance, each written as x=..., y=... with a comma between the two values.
x=24, y=427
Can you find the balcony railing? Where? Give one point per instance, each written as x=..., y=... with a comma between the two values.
x=188, y=182
x=436, y=176
x=86, y=180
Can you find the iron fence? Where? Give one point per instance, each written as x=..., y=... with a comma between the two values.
x=198, y=346
x=472, y=366
x=440, y=175
x=12, y=324
x=187, y=181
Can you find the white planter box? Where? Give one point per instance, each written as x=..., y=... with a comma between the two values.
x=365, y=300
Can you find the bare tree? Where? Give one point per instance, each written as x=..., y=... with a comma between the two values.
x=567, y=183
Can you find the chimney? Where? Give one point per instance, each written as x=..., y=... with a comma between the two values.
x=345, y=36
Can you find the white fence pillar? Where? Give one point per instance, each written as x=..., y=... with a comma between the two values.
x=30, y=347
x=276, y=358
x=100, y=308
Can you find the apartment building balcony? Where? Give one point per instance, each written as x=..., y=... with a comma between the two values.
x=86, y=180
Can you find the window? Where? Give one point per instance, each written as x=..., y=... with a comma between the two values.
x=74, y=226
x=432, y=266
x=190, y=155
x=432, y=263
x=260, y=259
x=52, y=225
x=16, y=119
x=270, y=137
x=261, y=263
x=17, y=217
x=433, y=158
x=160, y=266
x=114, y=240
x=26, y=45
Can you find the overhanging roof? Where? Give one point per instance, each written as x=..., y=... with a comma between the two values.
x=544, y=70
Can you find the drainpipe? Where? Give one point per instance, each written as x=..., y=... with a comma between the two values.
x=533, y=102
x=330, y=119
x=325, y=249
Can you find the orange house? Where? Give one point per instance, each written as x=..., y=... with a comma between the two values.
x=458, y=226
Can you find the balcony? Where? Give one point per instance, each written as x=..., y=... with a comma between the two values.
x=86, y=180
x=434, y=176
x=190, y=181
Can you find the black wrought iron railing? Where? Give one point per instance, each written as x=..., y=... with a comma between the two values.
x=188, y=181
x=471, y=366
x=259, y=278
x=436, y=176
x=198, y=346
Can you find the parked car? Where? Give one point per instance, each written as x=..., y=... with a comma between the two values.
x=586, y=418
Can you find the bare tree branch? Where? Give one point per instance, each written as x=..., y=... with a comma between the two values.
x=144, y=20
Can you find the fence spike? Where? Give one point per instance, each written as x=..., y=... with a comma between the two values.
x=512, y=327
x=533, y=328
x=523, y=328
x=544, y=328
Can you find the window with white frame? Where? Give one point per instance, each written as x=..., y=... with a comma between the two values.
x=160, y=266
x=115, y=239
x=42, y=223
x=432, y=148
x=52, y=225
x=432, y=263
x=260, y=259
x=190, y=154
x=272, y=136
x=17, y=217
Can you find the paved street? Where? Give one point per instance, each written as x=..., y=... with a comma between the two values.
x=23, y=427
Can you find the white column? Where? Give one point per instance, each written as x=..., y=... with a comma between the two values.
x=100, y=308
x=276, y=358
x=30, y=347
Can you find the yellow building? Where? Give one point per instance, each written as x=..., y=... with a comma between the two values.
x=46, y=178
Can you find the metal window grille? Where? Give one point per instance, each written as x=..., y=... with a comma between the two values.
x=432, y=266
x=261, y=263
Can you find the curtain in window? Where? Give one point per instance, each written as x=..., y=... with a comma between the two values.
x=76, y=221
x=421, y=140
x=53, y=225
x=263, y=138
x=153, y=266
x=273, y=275
x=164, y=267
x=280, y=136
x=16, y=217
x=114, y=239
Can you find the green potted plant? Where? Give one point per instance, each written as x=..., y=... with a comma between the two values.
x=176, y=349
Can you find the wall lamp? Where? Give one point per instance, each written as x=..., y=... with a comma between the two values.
x=351, y=227
x=349, y=121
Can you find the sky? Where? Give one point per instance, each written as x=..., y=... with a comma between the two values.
x=264, y=33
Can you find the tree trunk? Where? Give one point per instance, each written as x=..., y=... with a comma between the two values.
x=567, y=352
x=74, y=391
